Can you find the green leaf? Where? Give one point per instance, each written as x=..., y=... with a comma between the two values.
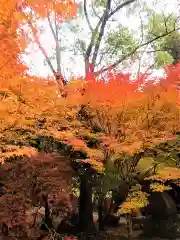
x=121, y=41
x=161, y=24
x=100, y=3
x=145, y=163
x=163, y=58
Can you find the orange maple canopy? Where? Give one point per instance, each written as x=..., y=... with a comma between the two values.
x=139, y=111
x=115, y=106
x=64, y=9
x=12, y=42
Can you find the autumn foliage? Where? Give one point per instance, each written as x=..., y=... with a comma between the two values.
x=111, y=123
x=121, y=116
x=11, y=42
x=64, y=9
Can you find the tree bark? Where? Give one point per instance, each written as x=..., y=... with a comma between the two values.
x=100, y=215
x=86, y=223
x=47, y=218
x=129, y=226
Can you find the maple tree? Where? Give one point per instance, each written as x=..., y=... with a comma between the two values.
x=21, y=119
x=122, y=120
x=130, y=115
x=20, y=115
x=33, y=181
x=105, y=129
x=12, y=43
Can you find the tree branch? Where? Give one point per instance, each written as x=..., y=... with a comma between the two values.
x=86, y=15
x=94, y=11
x=51, y=27
x=58, y=50
x=106, y=18
x=139, y=64
x=41, y=48
x=142, y=39
x=102, y=20
x=59, y=77
x=91, y=44
x=132, y=52
x=119, y=7
x=101, y=32
x=101, y=56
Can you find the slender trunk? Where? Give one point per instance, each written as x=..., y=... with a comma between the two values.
x=58, y=48
x=86, y=223
x=58, y=56
x=101, y=215
x=111, y=208
x=108, y=206
x=129, y=226
x=47, y=218
x=86, y=67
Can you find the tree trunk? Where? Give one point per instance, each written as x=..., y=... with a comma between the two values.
x=100, y=215
x=108, y=205
x=47, y=218
x=86, y=223
x=129, y=226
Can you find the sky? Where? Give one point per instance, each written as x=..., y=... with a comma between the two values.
x=72, y=64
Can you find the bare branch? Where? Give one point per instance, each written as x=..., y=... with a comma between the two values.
x=140, y=60
x=51, y=27
x=142, y=39
x=59, y=77
x=86, y=15
x=119, y=7
x=142, y=30
x=94, y=11
x=82, y=48
x=101, y=32
x=91, y=44
x=150, y=67
x=106, y=51
x=165, y=22
x=151, y=51
x=58, y=50
x=41, y=48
